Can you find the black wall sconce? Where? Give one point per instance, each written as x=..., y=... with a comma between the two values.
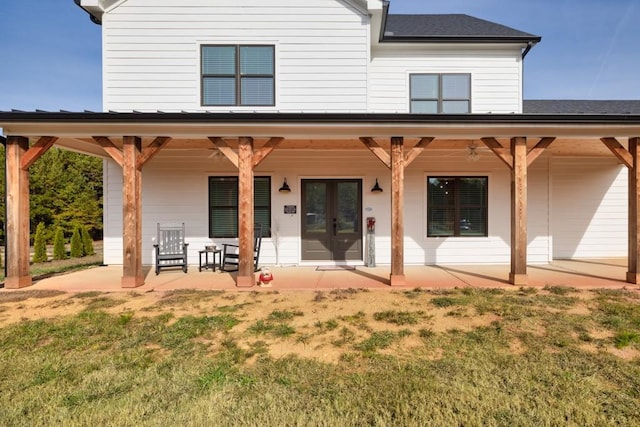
x=285, y=187
x=376, y=188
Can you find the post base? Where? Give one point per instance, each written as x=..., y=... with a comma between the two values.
x=398, y=280
x=633, y=277
x=132, y=281
x=245, y=281
x=17, y=282
x=518, y=279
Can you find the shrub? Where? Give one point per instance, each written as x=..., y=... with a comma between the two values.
x=76, y=243
x=59, y=251
x=87, y=242
x=40, y=244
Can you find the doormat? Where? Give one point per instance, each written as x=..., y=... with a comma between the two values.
x=334, y=267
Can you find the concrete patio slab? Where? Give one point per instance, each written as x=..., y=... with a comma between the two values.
x=584, y=274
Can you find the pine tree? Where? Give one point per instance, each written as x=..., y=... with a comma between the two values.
x=87, y=242
x=59, y=251
x=76, y=243
x=40, y=244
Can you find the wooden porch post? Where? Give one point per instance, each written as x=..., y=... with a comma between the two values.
x=17, y=192
x=245, y=212
x=397, y=211
x=132, y=276
x=518, y=274
x=634, y=220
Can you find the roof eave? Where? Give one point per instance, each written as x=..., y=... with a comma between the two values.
x=460, y=39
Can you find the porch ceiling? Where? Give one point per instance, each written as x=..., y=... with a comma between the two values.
x=577, y=135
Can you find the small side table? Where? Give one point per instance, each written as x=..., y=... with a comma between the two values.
x=216, y=261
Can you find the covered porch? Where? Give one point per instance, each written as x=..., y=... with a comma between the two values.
x=132, y=140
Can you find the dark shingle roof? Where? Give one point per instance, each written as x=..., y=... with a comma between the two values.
x=450, y=27
x=572, y=106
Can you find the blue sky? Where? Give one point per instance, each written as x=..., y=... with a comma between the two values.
x=51, y=52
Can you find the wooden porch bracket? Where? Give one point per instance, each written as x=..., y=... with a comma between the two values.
x=37, y=150
x=111, y=149
x=536, y=151
x=225, y=149
x=246, y=267
x=518, y=274
x=132, y=276
x=397, y=211
x=17, y=256
x=497, y=148
x=619, y=151
x=377, y=150
x=260, y=154
x=417, y=150
x=150, y=152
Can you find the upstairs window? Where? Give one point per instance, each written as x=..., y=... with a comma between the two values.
x=235, y=75
x=457, y=206
x=440, y=93
x=223, y=205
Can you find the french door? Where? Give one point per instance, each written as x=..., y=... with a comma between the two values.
x=331, y=219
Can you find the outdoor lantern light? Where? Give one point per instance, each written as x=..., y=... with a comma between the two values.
x=376, y=188
x=285, y=187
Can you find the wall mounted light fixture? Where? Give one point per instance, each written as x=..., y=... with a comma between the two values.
x=285, y=187
x=376, y=188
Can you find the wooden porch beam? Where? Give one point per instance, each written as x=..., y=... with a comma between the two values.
x=132, y=276
x=111, y=149
x=518, y=274
x=17, y=193
x=150, y=152
x=619, y=151
x=536, y=151
x=397, y=212
x=633, y=276
x=377, y=150
x=497, y=148
x=37, y=150
x=262, y=153
x=417, y=150
x=225, y=149
x=245, y=213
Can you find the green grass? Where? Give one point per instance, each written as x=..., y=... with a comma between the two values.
x=527, y=365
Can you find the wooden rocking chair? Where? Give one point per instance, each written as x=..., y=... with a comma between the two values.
x=230, y=252
x=171, y=250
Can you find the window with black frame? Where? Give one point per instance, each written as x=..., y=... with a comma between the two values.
x=440, y=93
x=223, y=205
x=457, y=206
x=235, y=75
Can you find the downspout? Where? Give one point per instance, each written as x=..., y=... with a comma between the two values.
x=94, y=19
x=527, y=49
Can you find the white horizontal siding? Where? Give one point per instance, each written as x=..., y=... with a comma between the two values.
x=175, y=190
x=496, y=82
x=589, y=208
x=151, y=52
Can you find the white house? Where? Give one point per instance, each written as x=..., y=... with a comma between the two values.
x=211, y=106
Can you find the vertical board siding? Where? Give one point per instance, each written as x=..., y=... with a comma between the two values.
x=589, y=208
x=151, y=54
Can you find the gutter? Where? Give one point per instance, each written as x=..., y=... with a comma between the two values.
x=93, y=18
x=527, y=49
x=383, y=24
x=460, y=39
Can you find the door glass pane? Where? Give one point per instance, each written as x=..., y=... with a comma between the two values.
x=348, y=207
x=441, y=207
x=316, y=207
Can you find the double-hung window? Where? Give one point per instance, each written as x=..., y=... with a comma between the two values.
x=223, y=205
x=238, y=75
x=440, y=93
x=457, y=206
